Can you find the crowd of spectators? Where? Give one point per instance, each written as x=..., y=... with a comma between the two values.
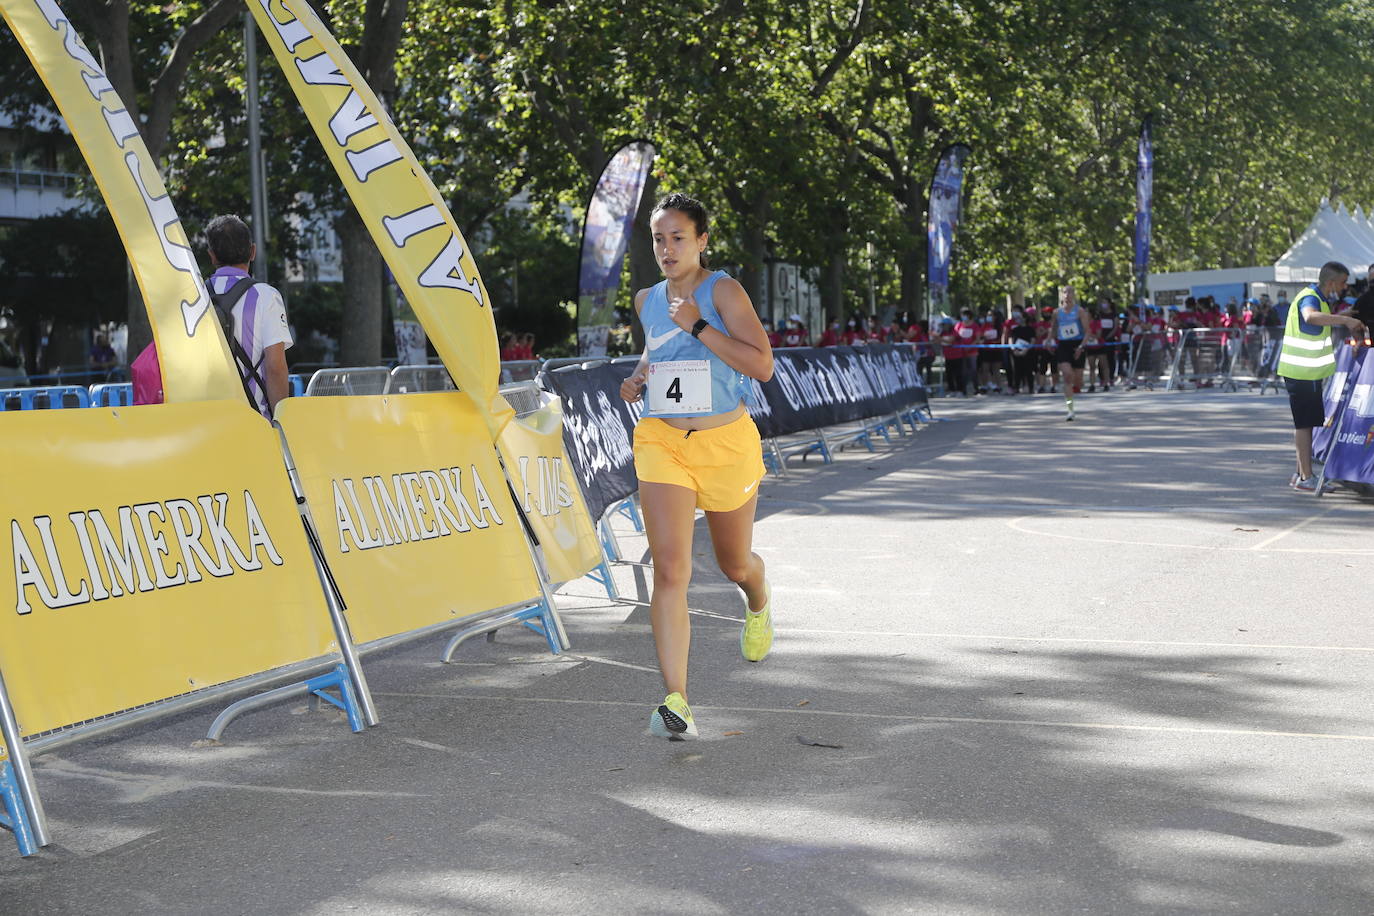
x=516, y=347
x=996, y=352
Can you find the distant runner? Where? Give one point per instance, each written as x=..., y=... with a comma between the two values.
x=1070, y=330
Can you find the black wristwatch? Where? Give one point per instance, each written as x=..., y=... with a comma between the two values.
x=701, y=325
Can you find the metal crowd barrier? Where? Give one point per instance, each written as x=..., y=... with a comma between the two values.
x=112, y=394
x=1201, y=358
x=407, y=379
x=525, y=396
x=346, y=381
x=50, y=398
x=1254, y=357
x=520, y=370
x=1150, y=360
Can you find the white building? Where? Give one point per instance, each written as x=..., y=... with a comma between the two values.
x=33, y=182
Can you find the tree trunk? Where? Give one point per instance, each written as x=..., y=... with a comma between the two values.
x=755, y=249
x=360, y=341
x=1017, y=296
x=911, y=260
x=140, y=327
x=643, y=266
x=832, y=285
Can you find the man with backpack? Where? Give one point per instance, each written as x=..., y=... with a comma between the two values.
x=260, y=335
x=251, y=315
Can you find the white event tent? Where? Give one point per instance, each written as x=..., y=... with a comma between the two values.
x=1333, y=235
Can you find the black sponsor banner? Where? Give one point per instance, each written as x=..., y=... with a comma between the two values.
x=598, y=429
x=810, y=388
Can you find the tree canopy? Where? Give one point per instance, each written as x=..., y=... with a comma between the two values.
x=811, y=128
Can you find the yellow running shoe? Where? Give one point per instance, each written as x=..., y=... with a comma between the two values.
x=756, y=636
x=672, y=719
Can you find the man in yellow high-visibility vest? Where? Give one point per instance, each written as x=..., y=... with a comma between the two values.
x=1308, y=358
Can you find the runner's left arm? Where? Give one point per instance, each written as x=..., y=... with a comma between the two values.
x=632, y=389
x=745, y=348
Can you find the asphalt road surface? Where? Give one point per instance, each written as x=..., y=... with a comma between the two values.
x=1112, y=666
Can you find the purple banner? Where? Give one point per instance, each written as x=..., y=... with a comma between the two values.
x=1144, y=199
x=605, y=239
x=1350, y=454
x=942, y=220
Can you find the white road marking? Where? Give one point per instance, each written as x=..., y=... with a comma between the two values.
x=1016, y=525
x=428, y=745
x=899, y=717
x=607, y=661
x=1302, y=524
x=889, y=634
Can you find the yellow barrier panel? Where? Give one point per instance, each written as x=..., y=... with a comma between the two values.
x=533, y=449
x=413, y=511
x=155, y=551
x=194, y=356
x=402, y=209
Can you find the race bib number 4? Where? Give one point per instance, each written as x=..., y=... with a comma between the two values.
x=680, y=387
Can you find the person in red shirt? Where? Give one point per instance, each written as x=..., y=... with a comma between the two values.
x=1094, y=345
x=1113, y=328
x=1233, y=326
x=1187, y=316
x=1047, y=371
x=1232, y=319
x=1019, y=337
x=966, y=334
x=832, y=337
x=507, y=347
x=854, y=332
x=919, y=335
x=953, y=353
x=794, y=335
x=990, y=357
x=774, y=338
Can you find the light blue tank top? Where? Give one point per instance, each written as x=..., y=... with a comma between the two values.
x=1067, y=328
x=683, y=394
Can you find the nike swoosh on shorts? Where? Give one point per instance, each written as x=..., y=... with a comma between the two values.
x=657, y=340
x=751, y=486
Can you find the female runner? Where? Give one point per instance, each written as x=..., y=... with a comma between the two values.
x=696, y=445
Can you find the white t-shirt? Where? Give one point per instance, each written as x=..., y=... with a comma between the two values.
x=259, y=322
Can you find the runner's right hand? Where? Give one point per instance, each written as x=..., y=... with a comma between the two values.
x=632, y=389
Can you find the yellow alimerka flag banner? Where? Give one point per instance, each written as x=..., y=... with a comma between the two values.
x=548, y=492
x=195, y=359
x=402, y=209
x=153, y=551
x=412, y=509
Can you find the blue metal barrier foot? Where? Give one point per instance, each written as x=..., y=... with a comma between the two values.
x=348, y=702
x=630, y=510
x=311, y=689
x=602, y=576
x=538, y=621
x=17, y=815
x=608, y=543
